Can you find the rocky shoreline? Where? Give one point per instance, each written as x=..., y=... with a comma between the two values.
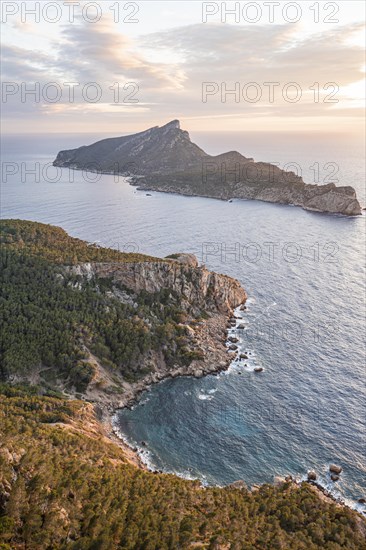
x=217, y=359
x=134, y=457
x=222, y=328
x=326, y=199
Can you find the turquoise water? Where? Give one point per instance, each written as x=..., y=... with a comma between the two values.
x=304, y=275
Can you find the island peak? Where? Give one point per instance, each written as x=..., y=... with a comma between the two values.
x=172, y=124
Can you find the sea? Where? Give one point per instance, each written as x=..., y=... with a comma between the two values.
x=304, y=325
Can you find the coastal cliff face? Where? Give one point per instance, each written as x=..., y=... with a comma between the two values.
x=325, y=198
x=199, y=289
x=164, y=159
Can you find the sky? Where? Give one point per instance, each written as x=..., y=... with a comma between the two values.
x=119, y=67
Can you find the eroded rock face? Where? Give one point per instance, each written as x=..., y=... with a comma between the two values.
x=183, y=258
x=334, y=200
x=198, y=287
x=197, y=291
x=317, y=198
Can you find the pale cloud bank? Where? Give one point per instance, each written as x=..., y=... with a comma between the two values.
x=163, y=72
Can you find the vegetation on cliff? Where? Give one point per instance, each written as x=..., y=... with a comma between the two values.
x=63, y=485
x=55, y=245
x=52, y=320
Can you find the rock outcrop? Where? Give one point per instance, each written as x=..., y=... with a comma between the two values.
x=198, y=288
x=335, y=469
x=199, y=291
x=164, y=159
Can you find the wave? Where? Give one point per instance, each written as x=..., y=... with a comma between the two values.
x=328, y=486
x=205, y=397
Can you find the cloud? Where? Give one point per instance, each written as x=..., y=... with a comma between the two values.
x=170, y=66
x=100, y=52
x=227, y=54
x=25, y=65
x=263, y=53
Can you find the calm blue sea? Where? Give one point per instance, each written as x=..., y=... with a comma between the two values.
x=304, y=275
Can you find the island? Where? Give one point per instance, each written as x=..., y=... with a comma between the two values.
x=84, y=330
x=165, y=159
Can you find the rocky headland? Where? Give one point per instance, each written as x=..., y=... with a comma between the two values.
x=127, y=320
x=199, y=290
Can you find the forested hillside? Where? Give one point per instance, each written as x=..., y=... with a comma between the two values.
x=54, y=244
x=63, y=485
x=52, y=320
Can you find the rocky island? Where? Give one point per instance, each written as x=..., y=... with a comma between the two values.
x=165, y=159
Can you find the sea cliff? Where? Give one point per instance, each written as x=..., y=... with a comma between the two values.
x=199, y=290
x=198, y=287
